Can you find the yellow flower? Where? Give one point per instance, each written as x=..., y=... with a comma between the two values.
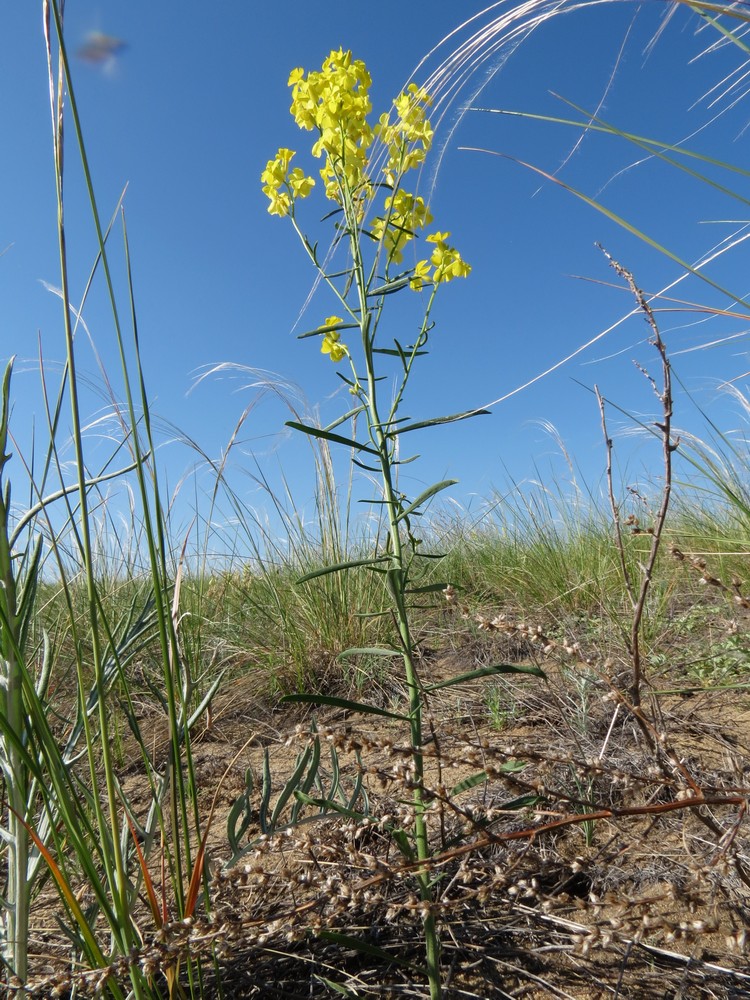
x=301, y=186
x=280, y=202
x=276, y=177
x=332, y=340
x=336, y=102
x=407, y=214
x=408, y=138
x=446, y=260
x=421, y=275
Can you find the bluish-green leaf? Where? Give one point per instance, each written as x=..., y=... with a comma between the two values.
x=397, y=354
x=349, y=706
x=344, y=418
x=319, y=432
x=292, y=784
x=336, y=987
x=522, y=802
x=390, y=286
x=340, y=567
x=327, y=329
x=368, y=651
x=512, y=766
x=498, y=668
x=467, y=783
x=356, y=944
x=327, y=805
x=240, y=815
x=427, y=495
x=265, y=793
x=367, y=468
x=435, y=421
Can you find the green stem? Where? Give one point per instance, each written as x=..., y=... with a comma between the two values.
x=110, y=831
x=15, y=950
x=397, y=577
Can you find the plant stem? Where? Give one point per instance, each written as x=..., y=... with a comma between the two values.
x=110, y=831
x=15, y=950
x=397, y=576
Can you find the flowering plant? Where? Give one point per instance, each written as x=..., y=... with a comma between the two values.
x=335, y=102
x=361, y=163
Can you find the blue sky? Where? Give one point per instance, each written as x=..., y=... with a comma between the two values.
x=190, y=111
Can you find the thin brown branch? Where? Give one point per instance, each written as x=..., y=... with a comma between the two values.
x=664, y=428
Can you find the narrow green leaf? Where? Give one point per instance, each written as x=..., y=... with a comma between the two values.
x=432, y=588
x=730, y=34
x=207, y=698
x=661, y=154
x=349, y=706
x=397, y=354
x=358, y=790
x=291, y=786
x=333, y=791
x=427, y=495
x=340, y=567
x=336, y=987
x=640, y=140
x=498, y=668
x=618, y=219
x=467, y=783
x=28, y=593
x=5, y=411
x=265, y=794
x=368, y=651
x=319, y=432
x=522, y=802
x=367, y=468
x=435, y=421
x=312, y=777
x=240, y=815
x=346, y=416
x=513, y=766
x=389, y=287
x=327, y=805
x=326, y=329
x=356, y=944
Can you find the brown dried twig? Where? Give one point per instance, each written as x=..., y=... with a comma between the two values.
x=639, y=595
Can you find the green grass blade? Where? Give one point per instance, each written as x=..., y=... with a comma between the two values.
x=613, y=217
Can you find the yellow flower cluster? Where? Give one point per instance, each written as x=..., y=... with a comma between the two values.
x=409, y=138
x=407, y=214
x=332, y=340
x=446, y=261
x=336, y=102
x=282, y=187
